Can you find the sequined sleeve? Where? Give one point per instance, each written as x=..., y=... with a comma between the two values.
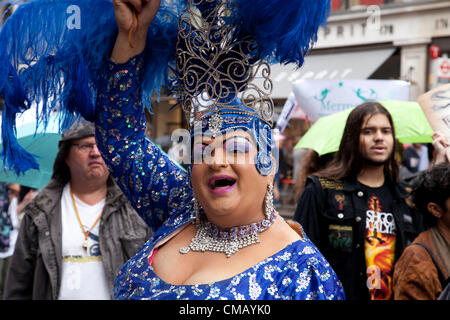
x=154, y=184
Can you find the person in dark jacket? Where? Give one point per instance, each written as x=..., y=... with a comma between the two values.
x=423, y=270
x=78, y=231
x=355, y=211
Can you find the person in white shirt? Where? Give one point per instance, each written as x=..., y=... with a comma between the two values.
x=78, y=231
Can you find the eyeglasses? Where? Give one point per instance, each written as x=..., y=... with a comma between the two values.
x=85, y=147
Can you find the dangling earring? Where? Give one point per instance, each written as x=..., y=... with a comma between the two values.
x=197, y=211
x=269, y=201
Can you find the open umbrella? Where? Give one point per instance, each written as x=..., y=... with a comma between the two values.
x=410, y=123
x=40, y=142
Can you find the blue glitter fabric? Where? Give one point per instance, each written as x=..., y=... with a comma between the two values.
x=161, y=193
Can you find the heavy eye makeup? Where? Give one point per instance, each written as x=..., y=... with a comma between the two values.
x=233, y=145
x=237, y=144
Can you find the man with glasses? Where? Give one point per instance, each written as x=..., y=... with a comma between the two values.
x=79, y=230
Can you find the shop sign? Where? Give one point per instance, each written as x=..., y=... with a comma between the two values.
x=417, y=23
x=443, y=71
x=439, y=71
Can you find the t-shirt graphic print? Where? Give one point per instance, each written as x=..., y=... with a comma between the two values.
x=379, y=243
x=83, y=276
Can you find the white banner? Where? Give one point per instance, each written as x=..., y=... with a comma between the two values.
x=291, y=110
x=319, y=98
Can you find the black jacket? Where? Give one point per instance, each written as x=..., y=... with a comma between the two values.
x=329, y=205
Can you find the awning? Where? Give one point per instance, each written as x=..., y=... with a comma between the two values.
x=358, y=65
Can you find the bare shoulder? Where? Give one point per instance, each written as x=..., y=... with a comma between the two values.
x=282, y=233
x=205, y=267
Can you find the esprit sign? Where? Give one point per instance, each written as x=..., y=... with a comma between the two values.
x=403, y=24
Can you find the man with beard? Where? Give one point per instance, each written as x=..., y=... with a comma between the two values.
x=354, y=210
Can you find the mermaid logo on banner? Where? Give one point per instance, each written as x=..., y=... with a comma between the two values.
x=319, y=98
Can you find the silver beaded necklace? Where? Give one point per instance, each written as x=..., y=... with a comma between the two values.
x=210, y=237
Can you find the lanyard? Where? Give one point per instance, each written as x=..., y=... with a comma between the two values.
x=85, y=243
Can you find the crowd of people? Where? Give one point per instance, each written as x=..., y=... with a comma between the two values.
x=80, y=205
x=121, y=219
x=356, y=211
x=385, y=239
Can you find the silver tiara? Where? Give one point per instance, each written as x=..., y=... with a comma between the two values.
x=216, y=65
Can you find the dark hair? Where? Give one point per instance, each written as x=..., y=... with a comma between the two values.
x=432, y=185
x=61, y=171
x=311, y=163
x=23, y=192
x=349, y=161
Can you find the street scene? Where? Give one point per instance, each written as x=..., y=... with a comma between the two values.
x=225, y=150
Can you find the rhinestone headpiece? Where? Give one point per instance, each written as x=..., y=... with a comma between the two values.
x=216, y=65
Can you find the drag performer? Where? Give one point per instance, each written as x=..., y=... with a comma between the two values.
x=216, y=232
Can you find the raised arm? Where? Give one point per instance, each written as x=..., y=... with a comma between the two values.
x=442, y=149
x=155, y=185
x=133, y=19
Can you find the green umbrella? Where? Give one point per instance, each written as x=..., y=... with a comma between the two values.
x=43, y=144
x=410, y=123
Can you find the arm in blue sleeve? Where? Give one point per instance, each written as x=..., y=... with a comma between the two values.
x=155, y=185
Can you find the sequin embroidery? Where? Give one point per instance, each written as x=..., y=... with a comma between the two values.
x=160, y=192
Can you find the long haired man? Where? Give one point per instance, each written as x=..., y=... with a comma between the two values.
x=355, y=211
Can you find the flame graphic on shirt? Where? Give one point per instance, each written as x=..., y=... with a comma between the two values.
x=379, y=249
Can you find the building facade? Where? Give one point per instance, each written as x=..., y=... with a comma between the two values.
x=364, y=39
x=378, y=39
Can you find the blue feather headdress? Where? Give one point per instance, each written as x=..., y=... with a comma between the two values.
x=223, y=47
x=51, y=52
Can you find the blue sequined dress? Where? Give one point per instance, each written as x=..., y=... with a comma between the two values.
x=161, y=193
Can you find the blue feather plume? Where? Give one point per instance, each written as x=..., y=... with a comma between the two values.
x=51, y=53
x=276, y=31
x=48, y=59
x=284, y=29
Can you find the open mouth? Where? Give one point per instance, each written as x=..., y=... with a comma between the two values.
x=379, y=149
x=221, y=184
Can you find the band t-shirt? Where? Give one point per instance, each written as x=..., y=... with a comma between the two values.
x=379, y=242
x=83, y=274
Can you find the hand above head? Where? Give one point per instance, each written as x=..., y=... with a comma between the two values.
x=133, y=19
x=127, y=11
x=441, y=147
